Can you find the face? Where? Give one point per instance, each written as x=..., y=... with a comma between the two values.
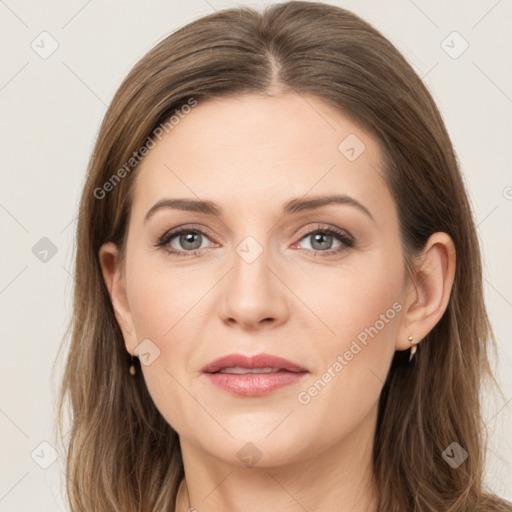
x=320, y=285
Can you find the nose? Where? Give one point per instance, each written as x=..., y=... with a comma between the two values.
x=253, y=293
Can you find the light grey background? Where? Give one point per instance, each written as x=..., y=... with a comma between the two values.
x=51, y=111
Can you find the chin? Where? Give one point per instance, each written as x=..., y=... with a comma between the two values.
x=261, y=443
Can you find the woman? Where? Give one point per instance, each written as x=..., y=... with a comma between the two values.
x=278, y=300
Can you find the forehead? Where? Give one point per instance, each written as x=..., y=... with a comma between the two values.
x=258, y=149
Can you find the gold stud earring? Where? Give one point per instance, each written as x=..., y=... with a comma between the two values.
x=132, y=368
x=413, y=347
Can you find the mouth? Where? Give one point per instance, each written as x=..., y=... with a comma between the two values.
x=253, y=375
x=239, y=370
x=261, y=363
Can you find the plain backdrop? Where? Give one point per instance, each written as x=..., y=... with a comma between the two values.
x=61, y=64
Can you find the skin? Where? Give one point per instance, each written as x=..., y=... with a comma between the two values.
x=251, y=154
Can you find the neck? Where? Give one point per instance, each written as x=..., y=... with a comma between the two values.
x=338, y=478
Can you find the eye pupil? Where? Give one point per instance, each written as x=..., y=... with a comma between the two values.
x=318, y=237
x=188, y=238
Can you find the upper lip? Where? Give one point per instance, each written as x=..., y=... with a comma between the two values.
x=256, y=361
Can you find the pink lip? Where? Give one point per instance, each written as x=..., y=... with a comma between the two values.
x=253, y=384
x=257, y=361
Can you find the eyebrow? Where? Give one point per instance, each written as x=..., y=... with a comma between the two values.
x=290, y=207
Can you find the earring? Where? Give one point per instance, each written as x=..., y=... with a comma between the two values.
x=132, y=368
x=413, y=347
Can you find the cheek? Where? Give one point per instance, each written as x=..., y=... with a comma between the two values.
x=168, y=308
x=164, y=301
x=356, y=302
x=362, y=311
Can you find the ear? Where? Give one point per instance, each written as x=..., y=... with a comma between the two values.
x=427, y=294
x=114, y=280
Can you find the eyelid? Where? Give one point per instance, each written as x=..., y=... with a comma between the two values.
x=188, y=227
x=319, y=226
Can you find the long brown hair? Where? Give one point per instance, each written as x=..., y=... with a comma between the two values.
x=123, y=456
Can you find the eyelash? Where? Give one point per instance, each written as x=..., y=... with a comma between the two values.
x=348, y=242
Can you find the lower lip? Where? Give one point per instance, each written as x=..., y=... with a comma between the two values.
x=254, y=384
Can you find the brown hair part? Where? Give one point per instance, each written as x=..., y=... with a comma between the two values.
x=123, y=456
